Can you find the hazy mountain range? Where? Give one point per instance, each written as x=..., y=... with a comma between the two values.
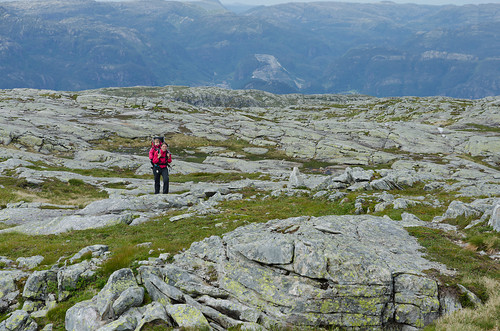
x=382, y=49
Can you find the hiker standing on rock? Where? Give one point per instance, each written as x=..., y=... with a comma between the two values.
x=161, y=160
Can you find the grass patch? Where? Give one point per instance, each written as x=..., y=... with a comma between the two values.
x=477, y=273
x=461, y=221
x=440, y=248
x=482, y=128
x=217, y=177
x=136, y=146
x=57, y=315
x=485, y=241
x=73, y=192
x=120, y=185
x=106, y=173
x=165, y=235
x=478, y=160
x=484, y=317
x=313, y=166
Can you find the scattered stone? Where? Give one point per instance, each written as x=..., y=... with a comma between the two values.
x=295, y=180
x=40, y=284
x=495, y=218
x=336, y=196
x=256, y=150
x=180, y=217
x=186, y=316
x=95, y=250
x=458, y=208
x=69, y=277
x=472, y=297
x=19, y=320
x=29, y=262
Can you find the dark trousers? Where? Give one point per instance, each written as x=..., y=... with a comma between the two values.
x=163, y=172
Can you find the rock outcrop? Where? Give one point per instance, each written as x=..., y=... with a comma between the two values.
x=343, y=271
x=354, y=271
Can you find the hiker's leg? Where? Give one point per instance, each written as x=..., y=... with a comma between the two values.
x=157, y=174
x=164, y=174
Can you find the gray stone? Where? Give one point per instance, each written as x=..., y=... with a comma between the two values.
x=359, y=186
x=155, y=311
x=472, y=297
x=295, y=179
x=83, y=316
x=359, y=174
x=95, y=250
x=458, y=208
x=449, y=303
x=187, y=316
x=31, y=306
x=19, y=320
x=336, y=196
x=29, y=212
x=162, y=292
x=382, y=206
x=29, y=262
x=385, y=183
x=321, y=249
x=124, y=323
x=409, y=220
x=118, y=282
x=495, y=218
x=6, y=262
x=39, y=284
x=256, y=150
x=233, y=309
x=68, y=223
x=401, y=203
x=131, y=297
x=270, y=250
x=48, y=327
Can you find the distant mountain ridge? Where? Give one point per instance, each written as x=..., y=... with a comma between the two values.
x=382, y=49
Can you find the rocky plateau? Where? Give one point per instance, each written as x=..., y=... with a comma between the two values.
x=362, y=270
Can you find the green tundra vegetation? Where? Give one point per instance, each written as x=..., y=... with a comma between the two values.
x=478, y=273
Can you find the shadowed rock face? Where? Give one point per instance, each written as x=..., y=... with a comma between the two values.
x=344, y=271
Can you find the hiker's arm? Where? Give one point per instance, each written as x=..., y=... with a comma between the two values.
x=156, y=157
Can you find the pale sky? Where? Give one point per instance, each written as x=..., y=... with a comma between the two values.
x=420, y=2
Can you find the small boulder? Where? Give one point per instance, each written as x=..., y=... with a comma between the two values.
x=19, y=320
x=95, y=250
x=131, y=297
x=40, y=284
x=83, y=316
x=459, y=208
x=495, y=218
x=155, y=311
x=29, y=262
x=187, y=316
x=161, y=291
x=118, y=282
x=121, y=324
x=296, y=180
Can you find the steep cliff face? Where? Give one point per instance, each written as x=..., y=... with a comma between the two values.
x=376, y=49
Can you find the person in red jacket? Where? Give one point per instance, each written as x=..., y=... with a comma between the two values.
x=155, y=145
x=161, y=160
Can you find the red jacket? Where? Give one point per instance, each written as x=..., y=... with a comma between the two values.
x=152, y=150
x=161, y=159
